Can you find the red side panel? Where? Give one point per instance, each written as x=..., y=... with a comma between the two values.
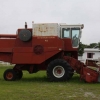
x=68, y=45
x=18, y=52
x=50, y=54
x=19, y=43
x=22, y=58
x=7, y=57
x=27, y=56
x=6, y=48
x=24, y=54
x=7, y=44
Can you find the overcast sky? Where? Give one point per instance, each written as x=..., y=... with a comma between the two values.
x=14, y=13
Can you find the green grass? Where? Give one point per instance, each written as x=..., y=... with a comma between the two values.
x=37, y=87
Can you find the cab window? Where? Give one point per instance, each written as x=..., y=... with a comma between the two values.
x=65, y=33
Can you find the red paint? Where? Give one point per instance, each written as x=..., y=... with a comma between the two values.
x=7, y=36
x=89, y=75
x=68, y=45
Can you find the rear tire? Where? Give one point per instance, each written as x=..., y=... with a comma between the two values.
x=59, y=70
x=9, y=75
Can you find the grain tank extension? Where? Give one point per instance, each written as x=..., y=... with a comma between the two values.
x=46, y=46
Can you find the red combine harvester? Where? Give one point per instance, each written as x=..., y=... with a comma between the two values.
x=46, y=46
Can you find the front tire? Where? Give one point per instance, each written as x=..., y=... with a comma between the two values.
x=59, y=70
x=9, y=75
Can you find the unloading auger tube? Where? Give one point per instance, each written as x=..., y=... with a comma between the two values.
x=86, y=74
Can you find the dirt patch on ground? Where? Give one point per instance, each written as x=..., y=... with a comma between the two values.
x=89, y=94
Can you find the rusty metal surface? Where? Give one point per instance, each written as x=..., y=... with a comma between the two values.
x=45, y=29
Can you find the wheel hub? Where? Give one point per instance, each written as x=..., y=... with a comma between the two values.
x=9, y=75
x=58, y=71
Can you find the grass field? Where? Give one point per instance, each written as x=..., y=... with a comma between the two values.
x=37, y=87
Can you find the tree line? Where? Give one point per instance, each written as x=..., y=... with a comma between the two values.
x=82, y=46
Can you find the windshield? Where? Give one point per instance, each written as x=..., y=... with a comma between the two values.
x=75, y=37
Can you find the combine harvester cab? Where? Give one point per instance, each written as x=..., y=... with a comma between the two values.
x=46, y=46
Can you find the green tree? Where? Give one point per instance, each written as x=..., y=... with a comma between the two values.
x=92, y=45
x=99, y=45
x=81, y=49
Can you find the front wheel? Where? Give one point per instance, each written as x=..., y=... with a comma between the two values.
x=59, y=70
x=9, y=75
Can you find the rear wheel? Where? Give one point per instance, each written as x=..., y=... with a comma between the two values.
x=9, y=75
x=59, y=70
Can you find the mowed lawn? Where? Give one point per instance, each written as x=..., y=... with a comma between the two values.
x=37, y=87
